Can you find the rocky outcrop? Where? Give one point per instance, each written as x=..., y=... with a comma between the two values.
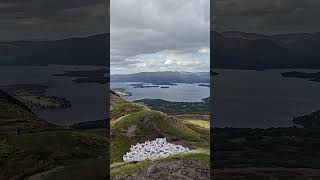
x=173, y=168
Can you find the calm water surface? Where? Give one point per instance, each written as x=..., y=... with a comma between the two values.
x=261, y=99
x=242, y=98
x=88, y=99
x=177, y=93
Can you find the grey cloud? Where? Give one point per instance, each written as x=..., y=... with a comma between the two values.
x=266, y=16
x=48, y=19
x=144, y=26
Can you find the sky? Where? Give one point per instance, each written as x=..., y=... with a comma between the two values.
x=52, y=19
x=266, y=16
x=164, y=31
x=57, y=19
x=159, y=35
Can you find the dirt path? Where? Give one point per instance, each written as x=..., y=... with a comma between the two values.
x=118, y=119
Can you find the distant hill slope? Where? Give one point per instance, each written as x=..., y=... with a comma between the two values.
x=310, y=121
x=239, y=50
x=176, y=108
x=91, y=50
x=30, y=146
x=163, y=77
x=120, y=107
x=15, y=118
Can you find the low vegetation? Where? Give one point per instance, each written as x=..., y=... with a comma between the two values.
x=125, y=169
x=175, y=108
x=290, y=147
x=33, y=95
x=38, y=152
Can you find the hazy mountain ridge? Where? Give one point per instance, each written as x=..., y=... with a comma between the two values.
x=163, y=77
x=278, y=38
x=304, y=75
x=65, y=52
x=239, y=50
x=230, y=49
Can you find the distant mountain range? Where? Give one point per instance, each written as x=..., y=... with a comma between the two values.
x=231, y=50
x=239, y=50
x=164, y=77
x=91, y=50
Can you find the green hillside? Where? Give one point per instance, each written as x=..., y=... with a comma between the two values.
x=148, y=125
x=138, y=124
x=120, y=107
x=33, y=148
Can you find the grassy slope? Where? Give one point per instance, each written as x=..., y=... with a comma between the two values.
x=42, y=146
x=175, y=108
x=38, y=152
x=120, y=107
x=81, y=170
x=268, y=173
x=274, y=153
x=124, y=108
x=148, y=125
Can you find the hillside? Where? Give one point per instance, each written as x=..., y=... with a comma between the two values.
x=16, y=117
x=273, y=153
x=34, y=96
x=176, y=108
x=119, y=107
x=138, y=124
x=32, y=148
x=310, y=121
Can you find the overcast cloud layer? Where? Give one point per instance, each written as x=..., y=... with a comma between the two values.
x=159, y=35
x=52, y=19
x=266, y=16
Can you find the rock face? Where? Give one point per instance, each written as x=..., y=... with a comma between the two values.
x=153, y=149
x=173, y=168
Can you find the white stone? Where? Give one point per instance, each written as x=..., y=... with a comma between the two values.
x=153, y=149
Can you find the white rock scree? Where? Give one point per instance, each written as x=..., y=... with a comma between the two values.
x=153, y=149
